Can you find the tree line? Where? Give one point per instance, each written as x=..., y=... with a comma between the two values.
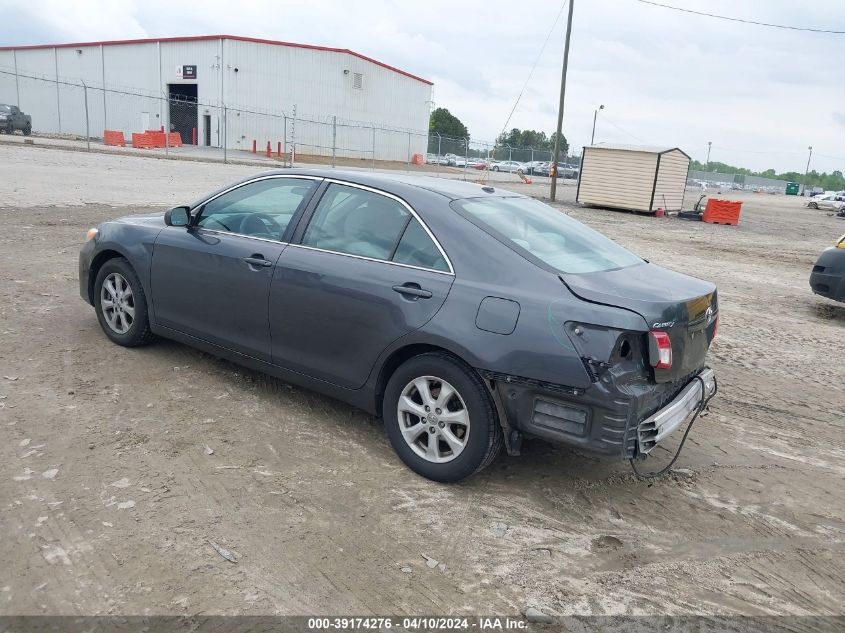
x=453, y=132
x=455, y=135
x=833, y=181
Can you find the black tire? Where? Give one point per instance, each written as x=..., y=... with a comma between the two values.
x=485, y=437
x=813, y=205
x=27, y=130
x=138, y=332
x=495, y=168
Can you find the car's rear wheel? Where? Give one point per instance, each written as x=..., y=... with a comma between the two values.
x=27, y=130
x=813, y=205
x=440, y=418
x=121, y=304
x=495, y=168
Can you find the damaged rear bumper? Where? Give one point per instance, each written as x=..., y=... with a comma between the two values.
x=609, y=419
x=657, y=427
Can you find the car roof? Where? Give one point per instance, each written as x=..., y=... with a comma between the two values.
x=393, y=182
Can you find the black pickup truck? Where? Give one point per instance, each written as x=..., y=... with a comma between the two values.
x=11, y=119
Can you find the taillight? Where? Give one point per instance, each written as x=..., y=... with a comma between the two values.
x=660, y=349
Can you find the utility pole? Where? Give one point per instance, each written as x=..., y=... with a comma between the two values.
x=807, y=171
x=595, y=116
x=553, y=190
x=87, y=128
x=707, y=162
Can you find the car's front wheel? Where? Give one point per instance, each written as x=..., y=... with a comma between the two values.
x=440, y=418
x=813, y=205
x=27, y=130
x=121, y=304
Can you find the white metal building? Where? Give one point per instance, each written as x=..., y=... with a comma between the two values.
x=313, y=96
x=633, y=177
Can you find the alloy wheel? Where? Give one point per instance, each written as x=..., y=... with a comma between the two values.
x=117, y=303
x=433, y=419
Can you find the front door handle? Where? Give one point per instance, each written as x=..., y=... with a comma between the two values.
x=257, y=259
x=413, y=290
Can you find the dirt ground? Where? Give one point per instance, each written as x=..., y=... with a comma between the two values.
x=110, y=494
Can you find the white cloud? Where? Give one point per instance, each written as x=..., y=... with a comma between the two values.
x=760, y=95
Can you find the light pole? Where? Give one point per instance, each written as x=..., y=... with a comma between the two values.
x=556, y=155
x=595, y=116
x=807, y=171
x=707, y=164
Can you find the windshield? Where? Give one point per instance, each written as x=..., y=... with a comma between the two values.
x=548, y=234
x=5, y=108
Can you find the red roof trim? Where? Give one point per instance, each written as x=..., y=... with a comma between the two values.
x=196, y=38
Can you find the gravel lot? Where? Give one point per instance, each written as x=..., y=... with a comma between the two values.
x=110, y=498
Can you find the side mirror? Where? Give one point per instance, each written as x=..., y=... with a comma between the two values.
x=177, y=216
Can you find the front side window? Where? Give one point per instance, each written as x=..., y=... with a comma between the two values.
x=357, y=222
x=546, y=234
x=259, y=209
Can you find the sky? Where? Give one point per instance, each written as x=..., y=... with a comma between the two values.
x=760, y=95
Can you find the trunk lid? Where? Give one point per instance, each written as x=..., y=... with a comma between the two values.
x=682, y=306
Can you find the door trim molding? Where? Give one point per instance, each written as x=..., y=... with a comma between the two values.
x=372, y=259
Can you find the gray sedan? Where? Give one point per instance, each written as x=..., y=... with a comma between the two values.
x=466, y=316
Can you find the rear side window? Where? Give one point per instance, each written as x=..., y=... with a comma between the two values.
x=416, y=248
x=546, y=234
x=357, y=222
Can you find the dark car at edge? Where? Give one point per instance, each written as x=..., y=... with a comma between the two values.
x=467, y=317
x=827, y=278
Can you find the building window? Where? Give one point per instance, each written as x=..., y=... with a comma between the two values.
x=358, y=81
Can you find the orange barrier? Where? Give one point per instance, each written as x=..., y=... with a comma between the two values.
x=112, y=137
x=142, y=141
x=722, y=211
x=418, y=159
x=155, y=138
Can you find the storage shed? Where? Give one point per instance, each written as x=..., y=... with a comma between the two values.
x=633, y=177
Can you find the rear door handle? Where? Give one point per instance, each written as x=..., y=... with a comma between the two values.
x=413, y=290
x=256, y=259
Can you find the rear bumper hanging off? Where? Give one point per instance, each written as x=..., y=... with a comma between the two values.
x=655, y=428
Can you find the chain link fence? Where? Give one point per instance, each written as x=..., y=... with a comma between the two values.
x=67, y=108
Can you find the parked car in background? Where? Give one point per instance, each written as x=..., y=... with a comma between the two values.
x=511, y=166
x=568, y=170
x=465, y=316
x=831, y=201
x=11, y=119
x=453, y=160
x=564, y=170
x=828, y=276
x=535, y=167
x=431, y=159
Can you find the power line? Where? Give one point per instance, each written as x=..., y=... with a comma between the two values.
x=730, y=19
x=534, y=67
x=624, y=131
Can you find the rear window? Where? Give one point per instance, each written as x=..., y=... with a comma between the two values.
x=546, y=234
